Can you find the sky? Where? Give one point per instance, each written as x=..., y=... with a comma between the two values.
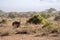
x=28, y=5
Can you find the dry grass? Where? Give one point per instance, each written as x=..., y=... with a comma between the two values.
x=26, y=29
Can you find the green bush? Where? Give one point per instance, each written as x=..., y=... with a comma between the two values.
x=37, y=19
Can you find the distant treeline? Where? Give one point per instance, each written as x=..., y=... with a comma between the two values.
x=49, y=12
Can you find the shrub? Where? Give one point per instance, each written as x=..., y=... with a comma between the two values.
x=13, y=15
x=50, y=27
x=46, y=15
x=57, y=18
x=46, y=28
x=47, y=25
x=37, y=19
x=4, y=21
x=26, y=31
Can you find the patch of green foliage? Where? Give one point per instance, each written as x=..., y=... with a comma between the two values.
x=37, y=19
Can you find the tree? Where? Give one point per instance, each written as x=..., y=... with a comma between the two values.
x=45, y=14
x=13, y=15
x=51, y=10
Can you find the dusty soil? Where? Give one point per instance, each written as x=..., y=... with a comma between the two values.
x=27, y=37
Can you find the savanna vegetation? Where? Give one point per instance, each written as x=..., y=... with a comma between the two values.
x=45, y=22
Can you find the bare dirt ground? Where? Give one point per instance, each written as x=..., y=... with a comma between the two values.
x=28, y=37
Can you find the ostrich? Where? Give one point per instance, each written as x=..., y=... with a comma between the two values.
x=16, y=24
